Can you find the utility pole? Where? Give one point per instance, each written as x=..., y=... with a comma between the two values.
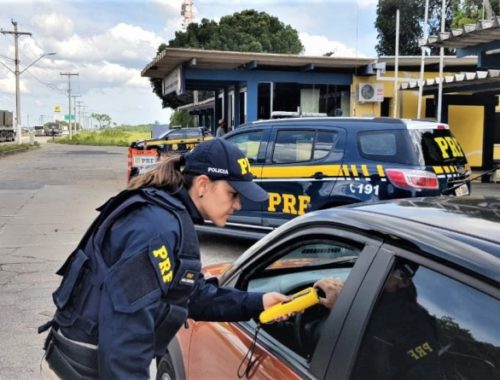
x=74, y=112
x=16, y=34
x=80, y=105
x=69, y=100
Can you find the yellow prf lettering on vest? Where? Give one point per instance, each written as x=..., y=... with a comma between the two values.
x=165, y=265
x=420, y=351
x=244, y=165
x=290, y=204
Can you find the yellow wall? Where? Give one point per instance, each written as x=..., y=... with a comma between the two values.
x=496, y=152
x=363, y=109
x=407, y=102
x=467, y=124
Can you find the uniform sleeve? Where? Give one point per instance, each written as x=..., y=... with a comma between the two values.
x=213, y=303
x=130, y=304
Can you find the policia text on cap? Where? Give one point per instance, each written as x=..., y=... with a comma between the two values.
x=135, y=276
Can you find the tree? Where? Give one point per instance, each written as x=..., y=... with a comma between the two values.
x=181, y=118
x=471, y=11
x=248, y=30
x=457, y=14
x=102, y=118
x=410, y=13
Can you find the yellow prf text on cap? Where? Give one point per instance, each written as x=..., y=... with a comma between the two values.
x=244, y=165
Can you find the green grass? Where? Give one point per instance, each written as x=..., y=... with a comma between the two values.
x=110, y=136
x=13, y=148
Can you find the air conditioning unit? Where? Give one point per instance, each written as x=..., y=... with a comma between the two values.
x=371, y=92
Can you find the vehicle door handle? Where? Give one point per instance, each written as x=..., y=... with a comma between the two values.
x=318, y=175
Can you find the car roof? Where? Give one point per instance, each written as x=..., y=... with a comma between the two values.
x=365, y=122
x=464, y=232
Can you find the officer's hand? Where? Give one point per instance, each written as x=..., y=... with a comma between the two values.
x=273, y=298
x=331, y=287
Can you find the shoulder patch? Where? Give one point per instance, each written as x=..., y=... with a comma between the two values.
x=161, y=258
x=163, y=262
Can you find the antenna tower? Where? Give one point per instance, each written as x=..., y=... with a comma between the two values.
x=187, y=13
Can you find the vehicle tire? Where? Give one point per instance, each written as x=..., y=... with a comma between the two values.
x=165, y=369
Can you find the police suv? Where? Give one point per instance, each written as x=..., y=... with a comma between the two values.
x=310, y=164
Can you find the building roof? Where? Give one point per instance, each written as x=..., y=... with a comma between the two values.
x=171, y=58
x=485, y=31
x=414, y=60
x=478, y=81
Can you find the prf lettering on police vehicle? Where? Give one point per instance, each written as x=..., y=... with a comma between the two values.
x=164, y=264
x=308, y=164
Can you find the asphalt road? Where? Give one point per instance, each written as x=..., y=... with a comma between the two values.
x=48, y=199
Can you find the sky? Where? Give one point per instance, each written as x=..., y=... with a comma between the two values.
x=109, y=42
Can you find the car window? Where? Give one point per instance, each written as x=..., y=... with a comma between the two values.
x=389, y=146
x=427, y=325
x=293, y=146
x=183, y=134
x=438, y=146
x=249, y=143
x=294, y=268
x=325, y=142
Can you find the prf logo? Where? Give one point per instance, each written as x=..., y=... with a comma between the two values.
x=164, y=263
x=244, y=165
x=449, y=145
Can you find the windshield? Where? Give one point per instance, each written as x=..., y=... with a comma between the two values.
x=438, y=147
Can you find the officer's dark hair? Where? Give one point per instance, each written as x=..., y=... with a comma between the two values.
x=167, y=175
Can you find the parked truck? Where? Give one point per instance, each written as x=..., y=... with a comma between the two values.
x=7, y=132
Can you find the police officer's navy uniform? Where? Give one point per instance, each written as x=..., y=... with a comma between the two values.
x=130, y=285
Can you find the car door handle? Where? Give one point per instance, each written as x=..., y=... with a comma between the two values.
x=318, y=175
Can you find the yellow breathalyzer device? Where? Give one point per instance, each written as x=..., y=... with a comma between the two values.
x=298, y=302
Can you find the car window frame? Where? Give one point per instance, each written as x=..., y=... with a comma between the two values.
x=261, y=155
x=339, y=145
x=318, y=363
x=343, y=359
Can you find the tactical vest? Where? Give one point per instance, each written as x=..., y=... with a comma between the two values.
x=85, y=272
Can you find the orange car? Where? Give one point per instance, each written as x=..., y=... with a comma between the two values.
x=420, y=299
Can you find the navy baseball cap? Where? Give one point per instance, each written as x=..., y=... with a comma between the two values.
x=220, y=159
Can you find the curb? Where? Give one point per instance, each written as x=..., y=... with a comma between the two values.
x=19, y=150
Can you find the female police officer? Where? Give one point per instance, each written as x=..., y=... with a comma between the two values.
x=135, y=276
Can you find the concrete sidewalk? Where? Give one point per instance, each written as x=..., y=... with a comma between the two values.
x=486, y=189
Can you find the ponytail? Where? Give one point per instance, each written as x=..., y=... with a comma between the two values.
x=167, y=174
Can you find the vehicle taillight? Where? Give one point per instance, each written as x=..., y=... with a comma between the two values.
x=412, y=179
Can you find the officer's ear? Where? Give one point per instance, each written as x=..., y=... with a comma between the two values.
x=200, y=185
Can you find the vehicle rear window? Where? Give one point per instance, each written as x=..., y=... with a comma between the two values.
x=439, y=146
x=184, y=134
x=388, y=146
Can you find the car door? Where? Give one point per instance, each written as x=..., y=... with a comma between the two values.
x=416, y=318
x=301, y=168
x=253, y=143
x=286, y=263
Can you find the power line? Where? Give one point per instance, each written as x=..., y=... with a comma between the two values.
x=49, y=85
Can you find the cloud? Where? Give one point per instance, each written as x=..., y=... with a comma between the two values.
x=367, y=3
x=123, y=43
x=319, y=45
x=53, y=23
